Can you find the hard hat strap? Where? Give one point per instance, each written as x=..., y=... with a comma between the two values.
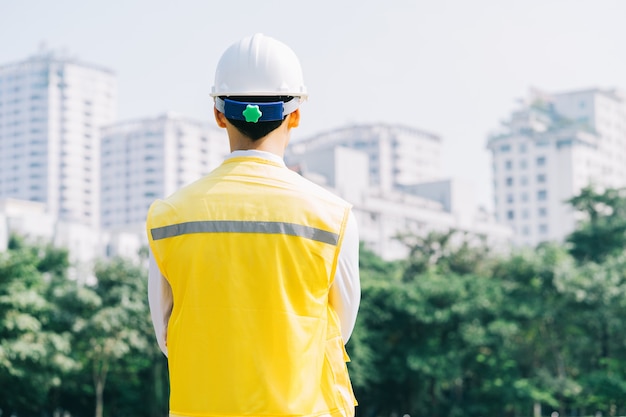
x=254, y=111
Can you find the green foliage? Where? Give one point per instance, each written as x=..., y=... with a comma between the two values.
x=33, y=355
x=428, y=335
x=446, y=252
x=602, y=233
x=496, y=336
x=61, y=341
x=115, y=339
x=452, y=330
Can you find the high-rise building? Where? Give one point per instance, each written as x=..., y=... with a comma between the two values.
x=548, y=150
x=398, y=156
x=51, y=109
x=403, y=193
x=88, y=181
x=143, y=160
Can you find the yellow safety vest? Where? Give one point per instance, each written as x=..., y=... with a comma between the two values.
x=250, y=252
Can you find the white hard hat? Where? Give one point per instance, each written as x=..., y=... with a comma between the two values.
x=259, y=66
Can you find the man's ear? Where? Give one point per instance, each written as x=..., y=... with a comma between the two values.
x=220, y=119
x=294, y=119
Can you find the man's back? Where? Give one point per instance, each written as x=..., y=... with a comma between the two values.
x=250, y=252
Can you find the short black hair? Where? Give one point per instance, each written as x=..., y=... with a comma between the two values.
x=256, y=131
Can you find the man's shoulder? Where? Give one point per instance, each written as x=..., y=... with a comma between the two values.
x=169, y=206
x=319, y=191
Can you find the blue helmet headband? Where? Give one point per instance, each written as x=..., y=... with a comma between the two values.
x=256, y=112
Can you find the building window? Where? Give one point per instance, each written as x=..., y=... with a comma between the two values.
x=542, y=195
x=525, y=214
x=541, y=161
x=543, y=229
x=509, y=198
x=522, y=148
x=524, y=197
x=541, y=178
x=523, y=180
x=509, y=181
x=542, y=211
x=508, y=164
x=510, y=215
x=505, y=148
x=523, y=164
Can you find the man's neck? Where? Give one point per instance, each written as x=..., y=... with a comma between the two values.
x=275, y=142
x=257, y=154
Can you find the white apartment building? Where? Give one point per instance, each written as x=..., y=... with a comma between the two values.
x=51, y=109
x=411, y=206
x=143, y=160
x=548, y=150
x=383, y=216
x=69, y=176
x=398, y=155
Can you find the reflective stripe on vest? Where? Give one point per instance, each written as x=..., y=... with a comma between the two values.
x=231, y=226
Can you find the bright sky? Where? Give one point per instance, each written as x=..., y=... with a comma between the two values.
x=450, y=67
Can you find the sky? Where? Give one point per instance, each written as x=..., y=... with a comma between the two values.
x=454, y=68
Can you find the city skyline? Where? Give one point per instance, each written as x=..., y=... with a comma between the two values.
x=450, y=68
x=62, y=149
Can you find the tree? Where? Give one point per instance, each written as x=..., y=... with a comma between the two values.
x=534, y=300
x=61, y=341
x=424, y=330
x=597, y=304
x=602, y=232
x=34, y=356
x=450, y=251
x=118, y=329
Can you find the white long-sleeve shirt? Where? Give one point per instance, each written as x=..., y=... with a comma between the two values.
x=344, y=296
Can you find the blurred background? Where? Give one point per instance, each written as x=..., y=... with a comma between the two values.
x=483, y=145
x=450, y=67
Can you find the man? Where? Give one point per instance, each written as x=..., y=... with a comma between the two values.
x=254, y=284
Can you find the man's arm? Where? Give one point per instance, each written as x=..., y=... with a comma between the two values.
x=161, y=302
x=345, y=293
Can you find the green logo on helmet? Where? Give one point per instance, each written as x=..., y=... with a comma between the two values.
x=252, y=113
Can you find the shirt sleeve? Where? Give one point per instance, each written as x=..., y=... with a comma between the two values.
x=161, y=302
x=345, y=292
